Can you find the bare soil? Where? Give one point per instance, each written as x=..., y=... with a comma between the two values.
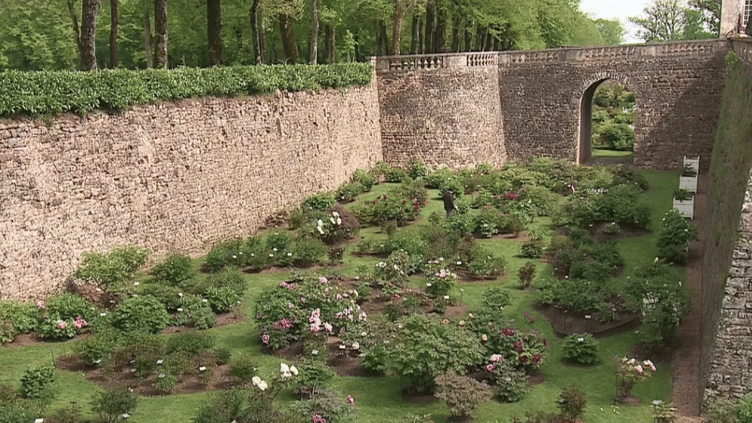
x=566, y=322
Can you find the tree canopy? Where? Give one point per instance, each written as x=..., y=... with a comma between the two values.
x=671, y=20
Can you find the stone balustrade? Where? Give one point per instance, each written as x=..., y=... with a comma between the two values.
x=700, y=48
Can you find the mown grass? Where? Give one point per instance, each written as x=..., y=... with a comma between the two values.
x=378, y=399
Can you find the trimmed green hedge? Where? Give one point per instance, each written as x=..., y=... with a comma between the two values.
x=53, y=92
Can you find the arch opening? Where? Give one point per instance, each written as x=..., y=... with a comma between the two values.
x=607, y=123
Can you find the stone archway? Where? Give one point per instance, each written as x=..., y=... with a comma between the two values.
x=585, y=131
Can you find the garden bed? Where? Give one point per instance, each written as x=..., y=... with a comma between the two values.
x=567, y=323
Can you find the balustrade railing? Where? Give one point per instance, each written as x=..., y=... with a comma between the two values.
x=568, y=54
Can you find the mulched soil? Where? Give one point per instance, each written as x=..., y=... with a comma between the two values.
x=566, y=322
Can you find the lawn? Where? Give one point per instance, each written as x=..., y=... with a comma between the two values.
x=378, y=399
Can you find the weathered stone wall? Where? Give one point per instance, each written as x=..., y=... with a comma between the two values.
x=677, y=88
x=727, y=263
x=170, y=177
x=446, y=116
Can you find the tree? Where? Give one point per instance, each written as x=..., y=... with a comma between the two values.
x=711, y=14
x=160, y=33
x=401, y=7
x=694, y=26
x=314, y=32
x=257, y=34
x=113, y=33
x=611, y=31
x=214, y=31
x=664, y=21
x=90, y=8
x=147, y=35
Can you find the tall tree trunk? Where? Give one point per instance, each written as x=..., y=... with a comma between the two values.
x=113, y=33
x=384, y=38
x=468, y=36
x=90, y=8
x=356, y=38
x=415, y=41
x=263, y=55
x=147, y=37
x=331, y=38
x=214, y=31
x=288, y=38
x=314, y=32
x=76, y=30
x=160, y=34
x=256, y=33
x=430, y=27
x=479, y=40
x=400, y=9
x=489, y=40
x=456, y=31
x=439, y=42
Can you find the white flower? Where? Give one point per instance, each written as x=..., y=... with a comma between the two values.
x=319, y=223
x=180, y=294
x=355, y=345
x=580, y=339
x=428, y=284
x=339, y=221
x=256, y=380
x=180, y=309
x=446, y=297
x=294, y=370
x=284, y=368
x=315, y=352
x=160, y=361
x=262, y=385
x=135, y=283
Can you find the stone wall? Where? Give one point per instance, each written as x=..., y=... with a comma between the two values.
x=727, y=264
x=169, y=177
x=677, y=88
x=443, y=116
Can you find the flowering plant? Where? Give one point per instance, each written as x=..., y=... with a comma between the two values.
x=631, y=371
x=439, y=280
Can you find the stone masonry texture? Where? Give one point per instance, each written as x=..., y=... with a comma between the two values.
x=173, y=177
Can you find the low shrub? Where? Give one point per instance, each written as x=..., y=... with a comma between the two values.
x=22, y=317
x=745, y=409
x=95, y=348
x=510, y=384
x=223, y=254
x=111, y=404
x=176, y=270
x=36, y=382
x=191, y=342
x=348, y=191
x=618, y=137
x=320, y=202
x=307, y=252
x=572, y=402
x=202, y=317
x=487, y=265
x=375, y=360
x=108, y=269
x=461, y=394
x=674, y=237
x=243, y=367
x=723, y=410
x=365, y=178
x=495, y=299
x=580, y=349
x=326, y=406
x=168, y=295
x=140, y=314
x=313, y=378
x=532, y=249
x=526, y=274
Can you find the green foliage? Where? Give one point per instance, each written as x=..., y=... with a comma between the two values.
x=108, y=269
x=140, y=314
x=578, y=295
x=376, y=359
x=664, y=413
x=202, y=317
x=526, y=274
x=572, y=402
x=176, y=270
x=69, y=306
x=191, y=342
x=723, y=410
x=487, y=265
x=110, y=404
x=82, y=92
x=95, y=348
x=461, y=394
x=426, y=348
x=36, y=382
x=168, y=295
x=496, y=298
x=510, y=384
x=23, y=318
x=674, y=237
x=417, y=169
x=224, y=254
x=663, y=300
x=243, y=367
x=745, y=409
x=320, y=202
x=580, y=349
x=330, y=405
x=617, y=137
x=532, y=249
x=16, y=413
x=70, y=414
x=224, y=406
x=349, y=190
x=364, y=178
x=314, y=375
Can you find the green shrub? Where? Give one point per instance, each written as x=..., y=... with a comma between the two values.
x=375, y=360
x=461, y=394
x=223, y=254
x=36, y=382
x=70, y=414
x=526, y=275
x=314, y=376
x=510, y=383
x=107, y=270
x=331, y=406
x=191, y=342
x=243, y=367
x=225, y=406
x=365, y=178
x=496, y=298
x=487, y=265
x=168, y=295
x=435, y=178
x=580, y=349
x=426, y=348
x=140, y=314
x=320, y=202
x=674, y=237
x=118, y=89
x=110, y=404
x=55, y=328
x=682, y=194
x=572, y=402
x=417, y=169
x=22, y=317
x=532, y=249
x=628, y=175
x=307, y=252
x=95, y=349
x=349, y=191
x=16, y=413
x=69, y=306
x=723, y=410
x=176, y=270
x=202, y=317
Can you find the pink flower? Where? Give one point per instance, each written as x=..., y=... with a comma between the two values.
x=396, y=296
x=532, y=319
x=318, y=419
x=490, y=367
x=265, y=339
x=328, y=327
x=350, y=400
x=315, y=328
x=40, y=304
x=61, y=324
x=495, y=358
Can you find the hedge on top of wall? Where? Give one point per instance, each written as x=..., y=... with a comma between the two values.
x=53, y=92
